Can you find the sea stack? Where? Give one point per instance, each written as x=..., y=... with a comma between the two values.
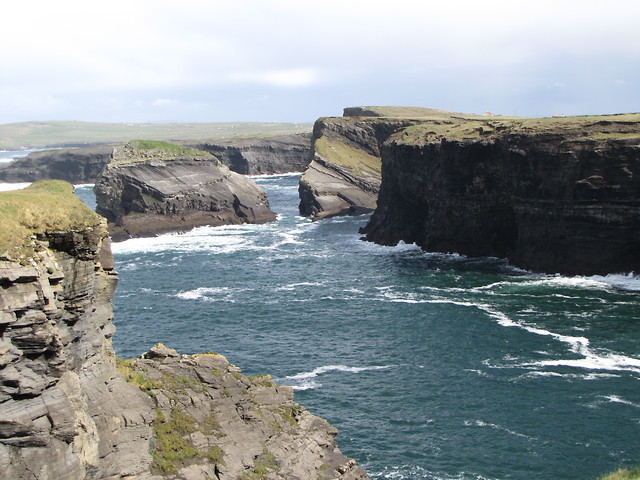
x=150, y=187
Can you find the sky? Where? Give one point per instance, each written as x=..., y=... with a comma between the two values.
x=297, y=60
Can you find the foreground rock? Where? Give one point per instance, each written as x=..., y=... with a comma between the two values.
x=212, y=422
x=74, y=165
x=557, y=195
x=150, y=188
x=343, y=177
x=261, y=155
x=70, y=411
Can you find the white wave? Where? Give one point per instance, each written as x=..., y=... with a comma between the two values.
x=211, y=294
x=607, y=361
x=276, y=175
x=305, y=380
x=617, y=399
x=293, y=286
x=629, y=281
x=416, y=472
x=480, y=423
x=6, y=187
x=85, y=185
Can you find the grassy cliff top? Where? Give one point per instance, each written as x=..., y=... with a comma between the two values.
x=462, y=126
x=14, y=136
x=45, y=206
x=143, y=150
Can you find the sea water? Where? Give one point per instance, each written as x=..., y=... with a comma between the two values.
x=431, y=366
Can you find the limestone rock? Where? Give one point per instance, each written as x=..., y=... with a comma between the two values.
x=146, y=191
x=557, y=195
x=343, y=177
x=261, y=155
x=75, y=165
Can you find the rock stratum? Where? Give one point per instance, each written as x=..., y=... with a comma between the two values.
x=344, y=175
x=149, y=188
x=74, y=165
x=70, y=410
x=261, y=155
x=253, y=155
x=556, y=195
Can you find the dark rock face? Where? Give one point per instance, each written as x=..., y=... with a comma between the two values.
x=261, y=155
x=564, y=202
x=147, y=193
x=75, y=165
x=343, y=177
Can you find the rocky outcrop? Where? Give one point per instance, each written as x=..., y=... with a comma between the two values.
x=69, y=410
x=343, y=177
x=557, y=195
x=261, y=155
x=213, y=422
x=150, y=188
x=74, y=165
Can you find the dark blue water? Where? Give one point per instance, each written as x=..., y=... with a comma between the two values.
x=432, y=366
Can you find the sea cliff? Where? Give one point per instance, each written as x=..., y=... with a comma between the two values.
x=70, y=410
x=343, y=177
x=150, y=188
x=556, y=195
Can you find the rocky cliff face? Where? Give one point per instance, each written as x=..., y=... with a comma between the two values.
x=261, y=155
x=155, y=187
x=70, y=410
x=74, y=165
x=65, y=412
x=555, y=195
x=343, y=177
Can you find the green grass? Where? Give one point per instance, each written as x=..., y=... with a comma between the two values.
x=57, y=133
x=344, y=155
x=623, y=474
x=172, y=449
x=45, y=206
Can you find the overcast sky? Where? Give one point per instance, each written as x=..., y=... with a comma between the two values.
x=296, y=60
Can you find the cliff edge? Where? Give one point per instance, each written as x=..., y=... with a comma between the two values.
x=70, y=410
x=556, y=195
x=150, y=188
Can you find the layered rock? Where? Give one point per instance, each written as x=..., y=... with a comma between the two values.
x=156, y=187
x=213, y=422
x=74, y=165
x=261, y=155
x=343, y=177
x=69, y=410
x=557, y=195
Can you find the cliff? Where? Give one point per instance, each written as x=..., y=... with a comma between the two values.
x=157, y=187
x=246, y=155
x=557, y=195
x=261, y=155
x=70, y=410
x=74, y=165
x=343, y=177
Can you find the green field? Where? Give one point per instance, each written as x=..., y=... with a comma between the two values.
x=14, y=136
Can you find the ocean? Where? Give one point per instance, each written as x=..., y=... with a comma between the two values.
x=431, y=366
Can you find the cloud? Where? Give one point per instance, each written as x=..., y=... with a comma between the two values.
x=88, y=59
x=295, y=77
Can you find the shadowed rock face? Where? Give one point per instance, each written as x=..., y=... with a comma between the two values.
x=261, y=155
x=559, y=196
x=75, y=165
x=144, y=193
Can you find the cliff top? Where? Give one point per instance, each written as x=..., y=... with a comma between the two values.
x=44, y=206
x=433, y=124
x=144, y=150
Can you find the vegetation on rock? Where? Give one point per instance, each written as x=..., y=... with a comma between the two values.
x=46, y=206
